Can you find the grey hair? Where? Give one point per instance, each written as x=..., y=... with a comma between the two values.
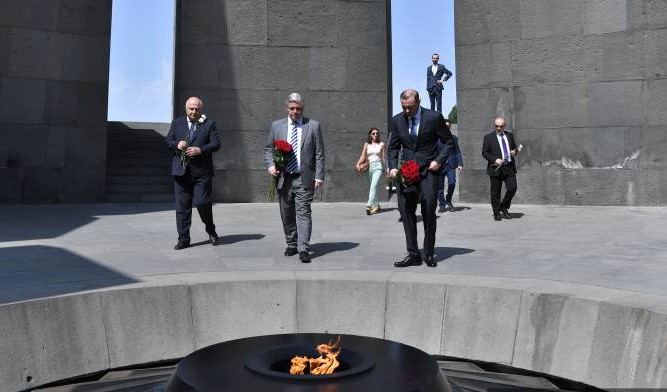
x=409, y=93
x=294, y=97
x=201, y=103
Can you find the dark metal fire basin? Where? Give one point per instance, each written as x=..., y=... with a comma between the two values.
x=261, y=363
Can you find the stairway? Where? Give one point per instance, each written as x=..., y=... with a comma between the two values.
x=138, y=165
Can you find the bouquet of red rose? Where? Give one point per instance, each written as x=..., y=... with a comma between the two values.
x=409, y=175
x=282, y=151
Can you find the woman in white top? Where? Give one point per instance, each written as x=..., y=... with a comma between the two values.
x=374, y=154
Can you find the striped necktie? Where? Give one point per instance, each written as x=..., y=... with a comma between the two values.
x=192, y=129
x=293, y=165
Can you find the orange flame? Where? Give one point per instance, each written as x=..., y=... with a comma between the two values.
x=326, y=363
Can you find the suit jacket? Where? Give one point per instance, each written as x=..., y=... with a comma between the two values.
x=425, y=149
x=431, y=84
x=312, y=150
x=205, y=137
x=491, y=151
x=454, y=159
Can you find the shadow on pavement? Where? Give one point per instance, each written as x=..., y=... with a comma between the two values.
x=57, y=271
x=443, y=253
x=323, y=248
x=234, y=238
x=32, y=222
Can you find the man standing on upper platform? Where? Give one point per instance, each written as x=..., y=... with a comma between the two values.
x=436, y=75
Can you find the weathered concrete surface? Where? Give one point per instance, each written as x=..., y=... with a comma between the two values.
x=51, y=339
x=582, y=85
x=563, y=290
x=230, y=306
x=54, y=63
x=346, y=302
x=136, y=334
x=262, y=50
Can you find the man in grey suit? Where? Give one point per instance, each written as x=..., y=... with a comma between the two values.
x=304, y=172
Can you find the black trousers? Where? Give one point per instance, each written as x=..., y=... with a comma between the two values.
x=191, y=190
x=496, y=189
x=407, y=206
x=436, y=100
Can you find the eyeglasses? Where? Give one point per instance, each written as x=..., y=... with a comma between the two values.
x=500, y=126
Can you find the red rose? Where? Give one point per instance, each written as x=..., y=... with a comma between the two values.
x=282, y=151
x=282, y=146
x=409, y=172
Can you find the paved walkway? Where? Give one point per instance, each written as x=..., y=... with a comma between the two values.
x=58, y=249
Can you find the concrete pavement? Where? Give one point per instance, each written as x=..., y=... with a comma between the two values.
x=49, y=250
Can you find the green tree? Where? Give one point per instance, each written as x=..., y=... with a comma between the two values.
x=453, y=115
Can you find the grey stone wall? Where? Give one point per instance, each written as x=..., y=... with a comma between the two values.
x=583, y=85
x=244, y=57
x=54, y=62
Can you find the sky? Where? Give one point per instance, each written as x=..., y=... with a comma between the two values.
x=419, y=29
x=142, y=55
x=141, y=61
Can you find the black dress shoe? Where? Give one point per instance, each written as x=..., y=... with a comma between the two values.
x=450, y=206
x=441, y=209
x=213, y=237
x=304, y=256
x=496, y=217
x=408, y=261
x=505, y=213
x=181, y=245
x=430, y=261
x=290, y=251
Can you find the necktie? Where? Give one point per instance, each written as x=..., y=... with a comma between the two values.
x=192, y=129
x=413, y=129
x=293, y=165
x=506, y=154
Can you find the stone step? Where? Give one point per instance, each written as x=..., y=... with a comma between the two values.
x=484, y=378
x=140, y=180
x=145, y=189
x=139, y=162
x=138, y=373
x=457, y=365
x=138, y=166
x=120, y=144
x=137, y=152
x=122, y=170
x=139, y=198
x=143, y=384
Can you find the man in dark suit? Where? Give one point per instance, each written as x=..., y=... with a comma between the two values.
x=499, y=149
x=303, y=174
x=193, y=139
x=417, y=131
x=453, y=164
x=436, y=75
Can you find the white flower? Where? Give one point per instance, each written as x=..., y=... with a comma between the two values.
x=202, y=119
